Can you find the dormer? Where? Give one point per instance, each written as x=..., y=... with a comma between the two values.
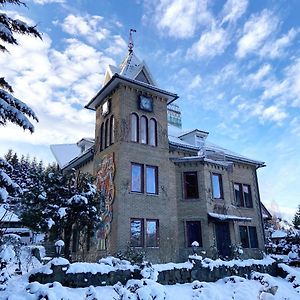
x=195, y=137
x=85, y=144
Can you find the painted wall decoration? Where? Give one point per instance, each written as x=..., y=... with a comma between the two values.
x=105, y=184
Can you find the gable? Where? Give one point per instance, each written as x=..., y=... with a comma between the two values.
x=142, y=77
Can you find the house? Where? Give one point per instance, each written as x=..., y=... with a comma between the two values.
x=164, y=187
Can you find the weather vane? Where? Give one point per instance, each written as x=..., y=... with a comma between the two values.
x=130, y=43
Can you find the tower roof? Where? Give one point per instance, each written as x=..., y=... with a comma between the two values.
x=132, y=68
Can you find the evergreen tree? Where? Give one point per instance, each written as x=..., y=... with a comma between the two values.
x=296, y=220
x=12, y=109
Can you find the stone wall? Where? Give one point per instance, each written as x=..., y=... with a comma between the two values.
x=171, y=276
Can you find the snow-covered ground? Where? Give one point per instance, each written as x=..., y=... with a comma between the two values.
x=259, y=286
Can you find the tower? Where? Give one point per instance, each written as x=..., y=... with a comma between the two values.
x=132, y=163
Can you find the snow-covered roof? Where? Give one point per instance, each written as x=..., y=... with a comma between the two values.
x=7, y=216
x=229, y=217
x=64, y=153
x=131, y=67
x=278, y=234
x=207, y=149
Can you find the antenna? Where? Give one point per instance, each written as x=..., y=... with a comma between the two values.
x=130, y=43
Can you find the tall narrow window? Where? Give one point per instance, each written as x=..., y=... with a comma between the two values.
x=247, y=195
x=244, y=236
x=101, y=137
x=152, y=236
x=253, y=237
x=136, y=233
x=193, y=232
x=137, y=175
x=134, y=128
x=190, y=185
x=152, y=132
x=144, y=130
x=238, y=194
x=112, y=130
x=106, y=134
x=217, y=186
x=151, y=180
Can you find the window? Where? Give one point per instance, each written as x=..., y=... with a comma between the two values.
x=248, y=236
x=152, y=233
x=242, y=194
x=190, y=185
x=151, y=180
x=137, y=178
x=101, y=137
x=137, y=233
x=112, y=130
x=106, y=134
x=217, y=186
x=144, y=130
x=152, y=133
x=193, y=232
x=134, y=128
x=141, y=182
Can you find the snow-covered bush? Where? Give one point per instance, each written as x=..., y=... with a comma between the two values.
x=143, y=289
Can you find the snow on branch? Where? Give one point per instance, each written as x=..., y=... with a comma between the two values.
x=15, y=111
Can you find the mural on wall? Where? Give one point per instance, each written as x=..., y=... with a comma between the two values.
x=105, y=184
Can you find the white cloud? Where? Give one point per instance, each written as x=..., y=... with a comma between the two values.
x=256, y=78
x=210, y=44
x=55, y=84
x=233, y=10
x=89, y=27
x=275, y=49
x=195, y=83
x=179, y=18
x=273, y=113
x=255, y=32
x=48, y=1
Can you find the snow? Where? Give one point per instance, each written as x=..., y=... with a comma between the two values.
x=64, y=153
x=62, y=212
x=279, y=234
x=104, y=266
x=195, y=244
x=50, y=223
x=59, y=243
x=7, y=216
x=78, y=199
x=228, y=217
x=259, y=286
x=211, y=264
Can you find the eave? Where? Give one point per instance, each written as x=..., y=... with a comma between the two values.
x=116, y=80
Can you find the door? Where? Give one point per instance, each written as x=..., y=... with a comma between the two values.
x=223, y=239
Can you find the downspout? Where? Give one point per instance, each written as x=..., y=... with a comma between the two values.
x=261, y=215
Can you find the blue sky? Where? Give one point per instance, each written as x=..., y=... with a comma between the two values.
x=235, y=65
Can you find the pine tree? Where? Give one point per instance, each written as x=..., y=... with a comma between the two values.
x=296, y=220
x=12, y=109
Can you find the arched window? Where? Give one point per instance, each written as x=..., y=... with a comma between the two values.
x=102, y=137
x=134, y=127
x=112, y=130
x=106, y=133
x=152, y=132
x=144, y=130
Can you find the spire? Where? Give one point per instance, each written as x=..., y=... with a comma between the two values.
x=130, y=42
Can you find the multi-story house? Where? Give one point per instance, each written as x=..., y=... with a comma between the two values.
x=164, y=187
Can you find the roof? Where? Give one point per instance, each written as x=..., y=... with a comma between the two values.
x=7, y=215
x=64, y=153
x=175, y=139
x=118, y=79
